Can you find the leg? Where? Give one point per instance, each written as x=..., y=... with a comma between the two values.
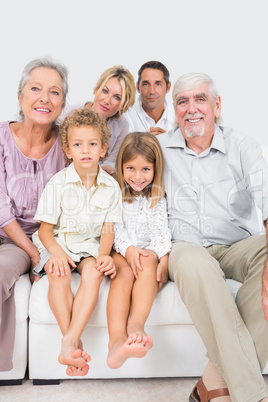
x=244, y=261
x=86, y=298
x=143, y=294
x=121, y=347
x=202, y=287
x=13, y=262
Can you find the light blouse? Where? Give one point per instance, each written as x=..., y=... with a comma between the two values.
x=22, y=180
x=143, y=227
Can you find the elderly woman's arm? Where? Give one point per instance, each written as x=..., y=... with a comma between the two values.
x=17, y=235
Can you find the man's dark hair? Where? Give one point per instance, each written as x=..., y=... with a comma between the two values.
x=156, y=65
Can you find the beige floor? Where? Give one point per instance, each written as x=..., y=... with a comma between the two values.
x=130, y=390
x=125, y=390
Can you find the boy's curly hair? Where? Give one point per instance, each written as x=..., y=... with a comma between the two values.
x=84, y=117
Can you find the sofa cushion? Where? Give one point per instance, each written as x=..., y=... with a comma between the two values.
x=22, y=296
x=167, y=309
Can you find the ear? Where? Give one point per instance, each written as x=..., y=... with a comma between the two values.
x=20, y=100
x=218, y=107
x=104, y=149
x=67, y=152
x=168, y=87
x=137, y=86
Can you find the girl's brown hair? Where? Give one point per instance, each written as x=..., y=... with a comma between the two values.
x=147, y=145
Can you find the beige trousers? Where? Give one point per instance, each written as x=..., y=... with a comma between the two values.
x=235, y=333
x=13, y=262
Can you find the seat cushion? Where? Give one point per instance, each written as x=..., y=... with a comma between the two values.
x=22, y=296
x=167, y=309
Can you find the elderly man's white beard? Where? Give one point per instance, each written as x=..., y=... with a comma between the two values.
x=194, y=132
x=191, y=133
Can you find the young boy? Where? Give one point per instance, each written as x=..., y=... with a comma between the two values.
x=77, y=211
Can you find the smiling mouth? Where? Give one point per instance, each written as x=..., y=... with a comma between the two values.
x=104, y=107
x=42, y=110
x=194, y=120
x=138, y=184
x=86, y=159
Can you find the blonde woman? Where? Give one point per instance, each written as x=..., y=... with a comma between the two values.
x=115, y=93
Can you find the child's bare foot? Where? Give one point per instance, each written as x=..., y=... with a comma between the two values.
x=72, y=355
x=137, y=333
x=123, y=349
x=75, y=371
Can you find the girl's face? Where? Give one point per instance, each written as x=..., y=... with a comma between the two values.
x=138, y=173
x=108, y=101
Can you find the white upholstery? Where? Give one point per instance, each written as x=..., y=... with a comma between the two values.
x=22, y=295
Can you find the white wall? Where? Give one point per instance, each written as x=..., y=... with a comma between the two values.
x=226, y=39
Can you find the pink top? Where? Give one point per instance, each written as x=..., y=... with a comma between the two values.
x=22, y=181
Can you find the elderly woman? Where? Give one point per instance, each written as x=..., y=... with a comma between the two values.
x=30, y=155
x=114, y=93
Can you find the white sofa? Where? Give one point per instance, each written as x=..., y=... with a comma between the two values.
x=178, y=349
x=22, y=296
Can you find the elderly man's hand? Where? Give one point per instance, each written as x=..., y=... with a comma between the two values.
x=265, y=292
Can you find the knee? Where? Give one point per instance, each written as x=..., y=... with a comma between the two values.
x=59, y=281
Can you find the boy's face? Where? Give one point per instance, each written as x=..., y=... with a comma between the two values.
x=85, y=147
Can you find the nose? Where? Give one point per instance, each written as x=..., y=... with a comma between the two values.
x=191, y=106
x=151, y=89
x=44, y=97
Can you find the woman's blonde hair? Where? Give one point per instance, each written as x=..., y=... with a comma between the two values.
x=84, y=117
x=147, y=145
x=127, y=83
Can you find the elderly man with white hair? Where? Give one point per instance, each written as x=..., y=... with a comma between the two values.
x=215, y=179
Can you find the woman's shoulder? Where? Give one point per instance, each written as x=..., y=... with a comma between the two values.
x=118, y=122
x=5, y=134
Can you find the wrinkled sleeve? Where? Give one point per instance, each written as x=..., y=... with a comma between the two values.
x=160, y=235
x=7, y=214
x=49, y=205
x=115, y=211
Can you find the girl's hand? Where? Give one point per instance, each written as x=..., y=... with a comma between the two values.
x=59, y=262
x=133, y=258
x=105, y=264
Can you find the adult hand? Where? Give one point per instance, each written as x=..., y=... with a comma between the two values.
x=264, y=292
x=108, y=169
x=156, y=130
x=133, y=258
x=161, y=275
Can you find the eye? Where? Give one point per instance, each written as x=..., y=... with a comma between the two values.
x=129, y=168
x=92, y=144
x=35, y=89
x=77, y=144
x=146, y=169
x=105, y=91
x=55, y=93
x=117, y=98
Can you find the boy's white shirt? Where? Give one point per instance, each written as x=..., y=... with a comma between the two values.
x=78, y=214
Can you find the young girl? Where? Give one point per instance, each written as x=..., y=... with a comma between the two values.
x=77, y=211
x=142, y=243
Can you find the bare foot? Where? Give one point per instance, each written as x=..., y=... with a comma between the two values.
x=75, y=371
x=123, y=349
x=137, y=333
x=71, y=355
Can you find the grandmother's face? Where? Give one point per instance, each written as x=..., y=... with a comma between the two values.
x=42, y=96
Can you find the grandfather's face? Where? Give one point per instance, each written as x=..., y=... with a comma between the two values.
x=196, y=111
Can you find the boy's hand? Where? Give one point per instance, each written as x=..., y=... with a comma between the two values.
x=133, y=258
x=59, y=262
x=105, y=264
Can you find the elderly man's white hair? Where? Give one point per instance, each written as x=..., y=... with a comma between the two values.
x=194, y=80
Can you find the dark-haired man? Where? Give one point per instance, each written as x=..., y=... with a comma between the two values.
x=151, y=111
